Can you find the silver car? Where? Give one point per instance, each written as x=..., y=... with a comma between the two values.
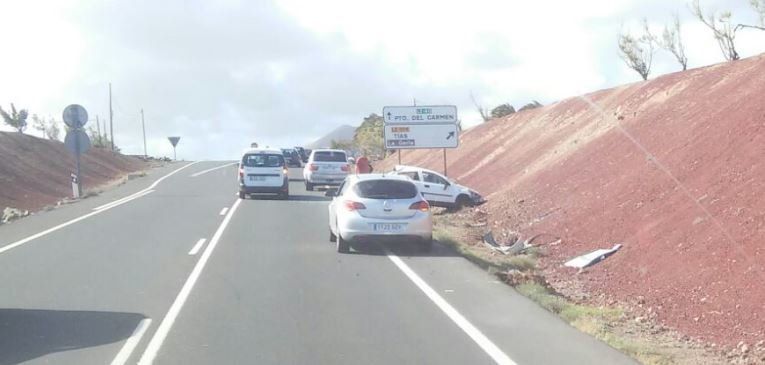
x=377, y=205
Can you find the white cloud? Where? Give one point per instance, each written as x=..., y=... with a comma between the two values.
x=223, y=74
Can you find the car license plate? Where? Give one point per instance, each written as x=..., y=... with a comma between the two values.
x=257, y=178
x=388, y=227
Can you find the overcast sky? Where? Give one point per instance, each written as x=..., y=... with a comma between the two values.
x=224, y=73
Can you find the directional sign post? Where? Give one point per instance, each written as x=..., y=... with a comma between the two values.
x=424, y=126
x=174, y=142
x=76, y=140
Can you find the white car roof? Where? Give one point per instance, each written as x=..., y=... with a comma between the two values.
x=365, y=177
x=400, y=168
x=262, y=150
x=327, y=150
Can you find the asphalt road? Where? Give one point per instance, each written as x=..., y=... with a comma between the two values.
x=131, y=283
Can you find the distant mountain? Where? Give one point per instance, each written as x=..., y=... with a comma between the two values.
x=342, y=133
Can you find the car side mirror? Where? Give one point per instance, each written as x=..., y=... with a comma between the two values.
x=332, y=192
x=447, y=185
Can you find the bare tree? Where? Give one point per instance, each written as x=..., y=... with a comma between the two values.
x=481, y=109
x=672, y=41
x=759, y=7
x=638, y=52
x=723, y=29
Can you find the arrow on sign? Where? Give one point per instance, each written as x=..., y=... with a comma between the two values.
x=451, y=134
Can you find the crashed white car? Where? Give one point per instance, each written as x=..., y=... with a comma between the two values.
x=438, y=190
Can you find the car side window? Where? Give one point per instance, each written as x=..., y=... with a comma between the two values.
x=432, y=178
x=412, y=175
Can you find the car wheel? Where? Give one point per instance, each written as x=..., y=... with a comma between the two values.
x=332, y=237
x=426, y=244
x=462, y=201
x=242, y=195
x=309, y=186
x=343, y=246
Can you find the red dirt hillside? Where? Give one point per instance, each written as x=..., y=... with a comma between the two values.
x=35, y=172
x=672, y=168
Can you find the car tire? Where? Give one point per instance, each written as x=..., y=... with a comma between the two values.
x=242, y=195
x=343, y=246
x=332, y=237
x=462, y=201
x=308, y=186
x=426, y=245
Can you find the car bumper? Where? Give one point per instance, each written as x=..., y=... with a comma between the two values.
x=355, y=227
x=284, y=188
x=325, y=179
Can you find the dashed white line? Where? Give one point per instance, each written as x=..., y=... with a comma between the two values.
x=132, y=341
x=223, y=211
x=212, y=169
x=197, y=246
x=479, y=338
x=167, y=323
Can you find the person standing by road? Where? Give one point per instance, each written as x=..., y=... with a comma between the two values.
x=363, y=166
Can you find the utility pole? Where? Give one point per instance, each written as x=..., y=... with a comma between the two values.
x=143, y=125
x=111, y=116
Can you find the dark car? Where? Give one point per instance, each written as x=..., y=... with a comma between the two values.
x=303, y=154
x=291, y=157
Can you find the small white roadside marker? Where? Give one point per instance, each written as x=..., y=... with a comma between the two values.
x=223, y=212
x=197, y=247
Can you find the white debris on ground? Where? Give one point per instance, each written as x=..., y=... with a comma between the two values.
x=10, y=214
x=591, y=258
x=514, y=247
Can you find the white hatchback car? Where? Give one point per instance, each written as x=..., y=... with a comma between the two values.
x=438, y=190
x=263, y=171
x=325, y=167
x=377, y=205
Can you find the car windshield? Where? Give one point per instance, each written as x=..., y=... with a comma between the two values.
x=329, y=156
x=385, y=189
x=263, y=160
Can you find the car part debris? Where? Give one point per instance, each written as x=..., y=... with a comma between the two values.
x=514, y=248
x=592, y=258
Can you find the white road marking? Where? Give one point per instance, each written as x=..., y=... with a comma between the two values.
x=167, y=323
x=479, y=338
x=86, y=216
x=152, y=186
x=223, y=211
x=198, y=246
x=132, y=341
x=212, y=169
x=124, y=200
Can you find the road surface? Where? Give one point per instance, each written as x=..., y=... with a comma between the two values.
x=183, y=272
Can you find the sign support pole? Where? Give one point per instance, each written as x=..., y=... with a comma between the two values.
x=399, y=157
x=77, y=162
x=445, y=162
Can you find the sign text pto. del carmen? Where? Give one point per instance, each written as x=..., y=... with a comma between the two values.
x=441, y=114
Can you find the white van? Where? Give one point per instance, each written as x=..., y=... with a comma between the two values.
x=263, y=171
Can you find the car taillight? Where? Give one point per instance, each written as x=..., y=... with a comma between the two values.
x=313, y=167
x=344, y=168
x=241, y=173
x=352, y=205
x=421, y=205
x=285, y=170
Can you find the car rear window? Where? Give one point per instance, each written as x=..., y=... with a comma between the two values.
x=329, y=156
x=385, y=189
x=263, y=160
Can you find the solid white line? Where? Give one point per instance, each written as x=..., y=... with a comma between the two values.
x=479, y=338
x=127, y=349
x=197, y=247
x=152, y=186
x=124, y=200
x=167, y=323
x=75, y=220
x=212, y=169
x=223, y=211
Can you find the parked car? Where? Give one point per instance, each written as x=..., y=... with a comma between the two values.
x=291, y=157
x=263, y=171
x=302, y=153
x=378, y=205
x=438, y=190
x=325, y=167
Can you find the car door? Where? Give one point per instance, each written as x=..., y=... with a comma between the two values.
x=436, y=189
x=333, y=206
